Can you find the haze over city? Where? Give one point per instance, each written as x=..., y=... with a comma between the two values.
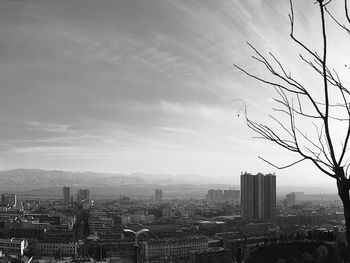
x=144, y=86
x=162, y=131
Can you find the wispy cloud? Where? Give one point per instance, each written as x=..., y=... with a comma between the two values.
x=49, y=127
x=108, y=85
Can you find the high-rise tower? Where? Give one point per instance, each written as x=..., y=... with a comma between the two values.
x=66, y=195
x=247, y=199
x=158, y=194
x=269, y=196
x=258, y=196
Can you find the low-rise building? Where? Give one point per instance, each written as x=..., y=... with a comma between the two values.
x=13, y=246
x=9, y=199
x=52, y=249
x=36, y=225
x=172, y=248
x=212, y=255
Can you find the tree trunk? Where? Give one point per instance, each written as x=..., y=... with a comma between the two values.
x=346, y=205
x=343, y=192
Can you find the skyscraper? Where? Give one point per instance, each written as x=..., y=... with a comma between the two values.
x=158, y=195
x=247, y=199
x=66, y=195
x=258, y=196
x=269, y=196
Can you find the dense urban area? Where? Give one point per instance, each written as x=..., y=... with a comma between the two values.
x=227, y=225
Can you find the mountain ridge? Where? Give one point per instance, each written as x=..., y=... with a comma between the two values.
x=40, y=178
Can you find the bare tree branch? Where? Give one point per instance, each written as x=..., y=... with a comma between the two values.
x=282, y=167
x=297, y=104
x=291, y=19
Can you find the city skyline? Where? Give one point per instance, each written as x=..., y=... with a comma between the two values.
x=143, y=86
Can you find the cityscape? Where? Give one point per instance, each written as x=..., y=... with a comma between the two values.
x=249, y=223
x=174, y=131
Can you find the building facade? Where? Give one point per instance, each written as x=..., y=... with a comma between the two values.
x=9, y=199
x=66, y=195
x=161, y=249
x=13, y=246
x=290, y=199
x=63, y=249
x=258, y=196
x=83, y=195
x=247, y=200
x=99, y=222
x=158, y=194
x=212, y=255
x=270, y=196
x=214, y=195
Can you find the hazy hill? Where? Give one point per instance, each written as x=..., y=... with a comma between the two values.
x=36, y=178
x=48, y=184
x=44, y=183
x=25, y=179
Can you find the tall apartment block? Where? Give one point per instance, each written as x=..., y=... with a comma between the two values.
x=258, y=196
x=158, y=194
x=269, y=196
x=9, y=199
x=66, y=195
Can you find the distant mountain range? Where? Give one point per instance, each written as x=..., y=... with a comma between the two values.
x=37, y=183
x=34, y=178
x=49, y=183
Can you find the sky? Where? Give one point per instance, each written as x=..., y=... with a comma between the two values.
x=144, y=85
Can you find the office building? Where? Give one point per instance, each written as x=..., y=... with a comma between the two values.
x=9, y=199
x=158, y=195
x=258, y=196
x=66, y=195
x=83, y=195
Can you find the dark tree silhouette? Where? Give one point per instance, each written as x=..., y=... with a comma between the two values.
x=301, y=107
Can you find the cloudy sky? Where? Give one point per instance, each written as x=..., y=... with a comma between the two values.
x=142, y=85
